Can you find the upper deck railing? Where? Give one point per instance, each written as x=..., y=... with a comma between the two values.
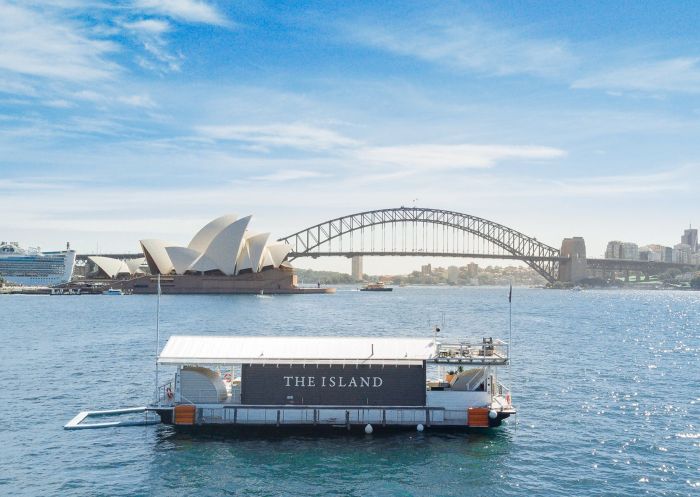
x=488, y=351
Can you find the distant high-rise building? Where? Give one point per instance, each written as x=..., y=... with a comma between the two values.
x=426, y=270
x=655, y=253
x=452, y=274
x=629, y=251
x=681, y=253
x=622, y=250
x=472, y=269
x=690, y=238
x=357, y=273
x=668, y=254
x=612, y=251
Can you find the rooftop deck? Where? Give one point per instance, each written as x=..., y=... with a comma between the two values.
x=225, y=350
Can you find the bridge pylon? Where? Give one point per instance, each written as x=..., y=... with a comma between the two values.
x=357, y=273
x=574, y=268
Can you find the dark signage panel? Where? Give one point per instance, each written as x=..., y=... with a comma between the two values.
x=333, y=385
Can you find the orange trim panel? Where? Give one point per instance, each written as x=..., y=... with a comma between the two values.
x=478, y=417
x=185, y=414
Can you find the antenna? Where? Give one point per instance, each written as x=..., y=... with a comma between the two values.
x=157, y=336
x=436, y=330
x=510, y=338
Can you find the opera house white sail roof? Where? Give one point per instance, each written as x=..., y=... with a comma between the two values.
x=113, y=267
x=225, y=245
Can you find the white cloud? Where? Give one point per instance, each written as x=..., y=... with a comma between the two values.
x=58, y=103
x=666, y=181
x=468, y=45
x=151, y=34
x=151, y=26
x=36, y=43
x=16, y=86
x=289, y=175
x=427, y=156
x=144, y=101
x=185, y=10
x=680, y=74
x=295, y=135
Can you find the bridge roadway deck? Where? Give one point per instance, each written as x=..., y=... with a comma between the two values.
x=294, y=255
x=635, y=265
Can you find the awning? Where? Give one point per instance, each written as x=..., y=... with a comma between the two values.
x=192, y=350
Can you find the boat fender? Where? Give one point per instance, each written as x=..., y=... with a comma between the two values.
x=419, y=427
x=169, y=393
x=493, y=414
x=369, y=429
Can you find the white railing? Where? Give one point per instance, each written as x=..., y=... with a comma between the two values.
x=320, y=415
x=165, y=394
x=488, y=351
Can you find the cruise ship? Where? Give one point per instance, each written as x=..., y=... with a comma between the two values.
x=35, y=268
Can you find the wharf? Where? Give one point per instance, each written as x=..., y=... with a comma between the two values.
x=270, y=282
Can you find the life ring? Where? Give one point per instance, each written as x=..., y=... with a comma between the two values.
x=169, y=393
x=227, y=377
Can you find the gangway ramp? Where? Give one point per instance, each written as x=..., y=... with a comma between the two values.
x=77, y=423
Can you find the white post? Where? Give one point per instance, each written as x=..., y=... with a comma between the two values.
x=510, y=337
x=510, y=319
x=157, y=337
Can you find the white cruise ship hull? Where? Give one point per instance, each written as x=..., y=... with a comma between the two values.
x=38, y=269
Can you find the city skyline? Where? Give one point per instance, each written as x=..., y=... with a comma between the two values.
x=147, y=118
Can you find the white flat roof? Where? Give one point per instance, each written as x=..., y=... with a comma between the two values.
x=213, y=349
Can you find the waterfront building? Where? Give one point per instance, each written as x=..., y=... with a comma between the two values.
x=426, y=270
x=690, y=238
x=223, y=257
x=452, y=274
x=224, y=246
x=681, y=253
x=622, y=250
x=357, y=272
x=629, y=251
x=668, y=254
x=612, y=251
x=656, y=253
x=472, y=269
x=32, y=267
x=109, y=267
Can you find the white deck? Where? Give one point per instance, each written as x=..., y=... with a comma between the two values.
x=226, y=350
x=193, y=350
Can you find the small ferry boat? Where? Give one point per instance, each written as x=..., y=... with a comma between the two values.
x=113, y=291
x=361, y=382
x=376, y=287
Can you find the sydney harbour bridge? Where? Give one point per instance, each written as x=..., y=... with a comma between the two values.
x=419, y=231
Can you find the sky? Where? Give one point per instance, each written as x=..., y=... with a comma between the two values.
x=147, y=118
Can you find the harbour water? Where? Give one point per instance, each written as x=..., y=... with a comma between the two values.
x=607, y=384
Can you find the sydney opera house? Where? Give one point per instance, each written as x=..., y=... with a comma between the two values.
x=224, y=246
x=223, y=257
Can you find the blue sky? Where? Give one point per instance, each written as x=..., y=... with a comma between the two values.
x=146, y=118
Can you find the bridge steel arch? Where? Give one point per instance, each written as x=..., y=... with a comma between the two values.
x=541, y=257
